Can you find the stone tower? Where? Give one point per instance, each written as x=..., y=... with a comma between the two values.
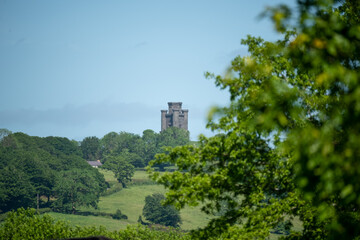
x=174, y=116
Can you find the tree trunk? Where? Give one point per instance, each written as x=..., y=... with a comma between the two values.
x=73, y=209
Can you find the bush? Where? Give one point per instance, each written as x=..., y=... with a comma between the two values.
x=156, y=213
x=27, y=224
x=119, y=215
x=117, y=187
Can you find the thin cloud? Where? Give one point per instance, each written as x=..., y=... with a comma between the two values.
x=140, y=44
x=72, y=115
x=19, y=41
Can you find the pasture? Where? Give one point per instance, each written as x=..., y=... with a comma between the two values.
x=130, y=201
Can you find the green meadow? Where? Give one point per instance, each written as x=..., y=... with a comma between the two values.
x=130, y=201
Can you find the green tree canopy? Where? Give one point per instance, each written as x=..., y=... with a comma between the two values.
x=141, y=150
x=30, y=165
x=16, y=190
x=90, y=147
x=75, y=188
x=109, y=143
x=150, y=139
x=130, y=141
x=122, y=169
x=173, y=136
x=168, y=138
x=157, y=213
x=289, y=138
x=4, y=132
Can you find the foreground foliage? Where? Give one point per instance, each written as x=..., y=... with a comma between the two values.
x=26, y=224
x=288, y=144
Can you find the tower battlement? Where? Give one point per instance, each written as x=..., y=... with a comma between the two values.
x=175, y=116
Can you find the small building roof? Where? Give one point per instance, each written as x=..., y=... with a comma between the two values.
x=95, y=163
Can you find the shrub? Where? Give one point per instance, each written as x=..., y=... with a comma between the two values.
x=117, y=187
x=119, y=215
x=28, y=224
x=156, y=213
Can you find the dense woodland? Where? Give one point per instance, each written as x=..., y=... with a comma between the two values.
x=56, y=171
x=286, y=147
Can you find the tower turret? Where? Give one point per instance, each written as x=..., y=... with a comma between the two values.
x=175, y=116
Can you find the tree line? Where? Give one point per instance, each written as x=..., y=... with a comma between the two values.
x=53, y=171
x=138, y=150
x=50, y=167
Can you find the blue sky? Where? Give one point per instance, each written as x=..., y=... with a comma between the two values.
x=85, y=68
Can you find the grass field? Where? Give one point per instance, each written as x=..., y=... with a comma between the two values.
x=130, y=201
x=109, y=223
x=108, y=175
